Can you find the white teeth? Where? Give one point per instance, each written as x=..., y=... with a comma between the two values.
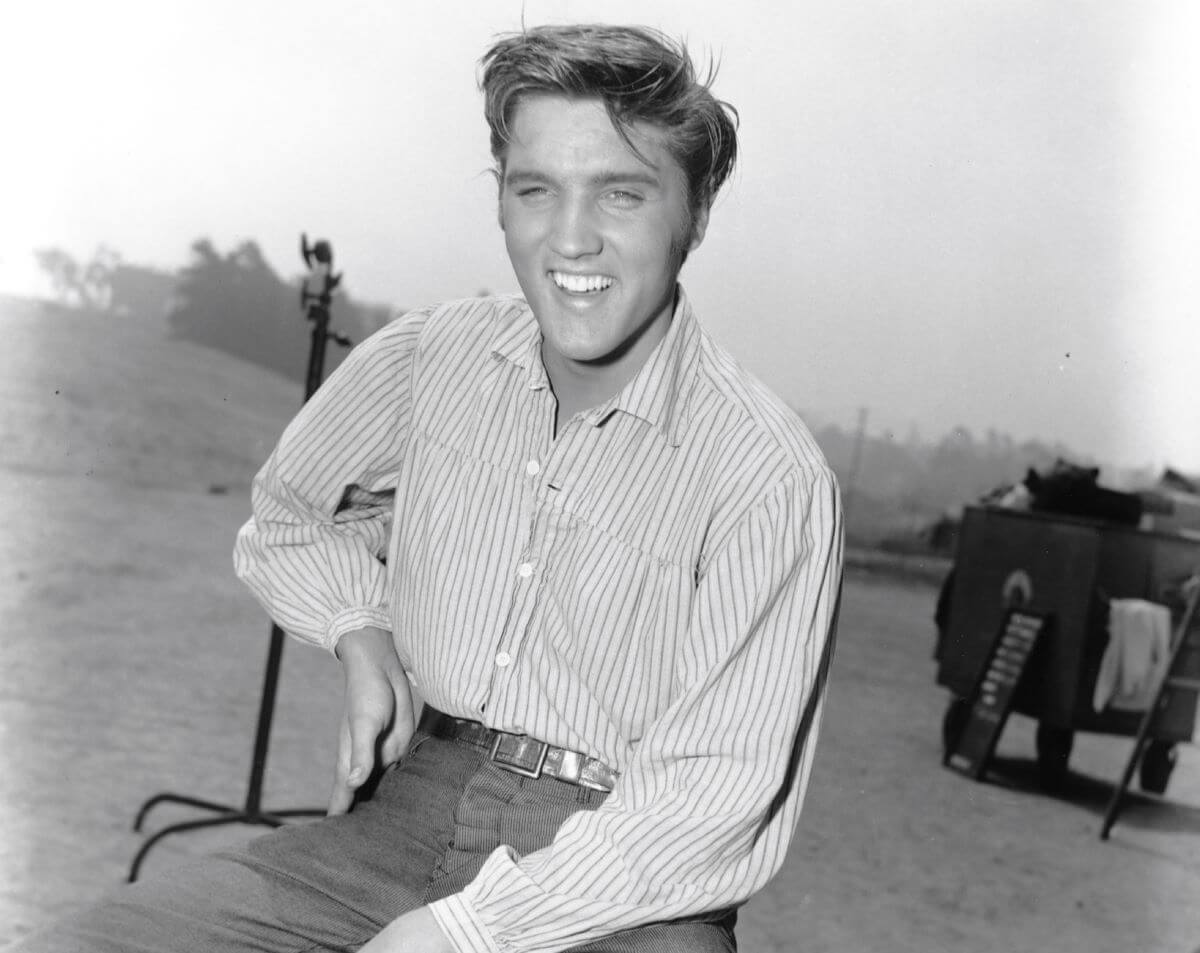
x=580, y=284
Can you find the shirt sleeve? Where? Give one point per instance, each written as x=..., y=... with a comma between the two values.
x=313, y=552
x=702, y=817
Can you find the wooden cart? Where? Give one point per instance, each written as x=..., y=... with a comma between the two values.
x=1066, y=569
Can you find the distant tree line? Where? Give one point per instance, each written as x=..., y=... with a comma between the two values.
x=905, y=491
x=81, y=284
x=234, y=302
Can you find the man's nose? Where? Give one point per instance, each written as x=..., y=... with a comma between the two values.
x=575, y=231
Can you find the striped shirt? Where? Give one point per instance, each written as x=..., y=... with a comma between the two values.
x=655, y=586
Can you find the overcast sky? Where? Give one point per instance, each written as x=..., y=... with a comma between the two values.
x=976, y=213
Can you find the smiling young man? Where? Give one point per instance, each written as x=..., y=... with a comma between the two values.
x=606, y=558
x=596, y=233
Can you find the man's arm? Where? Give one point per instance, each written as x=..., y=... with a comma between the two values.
x=312, y=551
x=322, y=503
x=703, y=815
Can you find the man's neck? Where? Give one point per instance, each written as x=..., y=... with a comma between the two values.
x=579, y=386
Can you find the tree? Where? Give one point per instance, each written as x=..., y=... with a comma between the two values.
x=237, y=304
x=62, y=270
x=83, y=286
x=138, y=290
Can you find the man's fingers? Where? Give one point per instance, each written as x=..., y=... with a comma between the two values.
x=364, y=733
x=340, y=800
x=342, y=795
x=395, y=746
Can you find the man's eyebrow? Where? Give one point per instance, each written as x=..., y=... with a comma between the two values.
x=521, y=177
x=647, y=178
x=619, y=177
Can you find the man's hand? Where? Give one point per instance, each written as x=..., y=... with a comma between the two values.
x=377, y=714
x=415, y=932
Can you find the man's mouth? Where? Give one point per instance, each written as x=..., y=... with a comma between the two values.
x=580, y=284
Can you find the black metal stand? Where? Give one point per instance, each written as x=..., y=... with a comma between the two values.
x=315, y=297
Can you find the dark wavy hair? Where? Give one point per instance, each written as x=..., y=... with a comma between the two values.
x=641, y=75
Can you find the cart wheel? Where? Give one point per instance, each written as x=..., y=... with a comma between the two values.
x=1158, y=761
x=1053, y=751
x=953, y=723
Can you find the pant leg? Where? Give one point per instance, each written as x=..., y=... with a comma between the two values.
x=328, y=885
x=498, y=807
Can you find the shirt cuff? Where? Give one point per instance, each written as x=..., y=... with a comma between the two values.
x=462, y=926
x=349, y=620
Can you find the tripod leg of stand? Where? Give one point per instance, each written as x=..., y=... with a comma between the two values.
x=251, y=812
x=167, y=798
x=136, y=866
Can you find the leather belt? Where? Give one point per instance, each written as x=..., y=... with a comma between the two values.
x=521, y=754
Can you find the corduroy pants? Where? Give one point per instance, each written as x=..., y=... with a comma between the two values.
x=333, y=884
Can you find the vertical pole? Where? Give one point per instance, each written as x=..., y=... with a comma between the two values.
x=316, y=354
x=318, y=312
x=262, y=735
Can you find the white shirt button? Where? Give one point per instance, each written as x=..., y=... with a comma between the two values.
x=503, y=659
x=525, y=570
x=533, y=468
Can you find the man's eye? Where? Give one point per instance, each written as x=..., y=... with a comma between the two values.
x=533, y=192
x=623, y=198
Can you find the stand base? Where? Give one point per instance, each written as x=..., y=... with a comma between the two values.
x=226, y=815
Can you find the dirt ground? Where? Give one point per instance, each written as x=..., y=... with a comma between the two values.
x=131, y=664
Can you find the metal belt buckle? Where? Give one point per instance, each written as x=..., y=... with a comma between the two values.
x=510, y=764
x=570, y=767
x=595, y=785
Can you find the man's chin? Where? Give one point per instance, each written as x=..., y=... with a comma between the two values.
x=582, y=355
x=583, y=352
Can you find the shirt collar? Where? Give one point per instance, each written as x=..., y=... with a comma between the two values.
x=516, y=339
x=659, y=392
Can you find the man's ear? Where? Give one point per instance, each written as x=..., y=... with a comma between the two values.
x=699, y=227
x=498, y=175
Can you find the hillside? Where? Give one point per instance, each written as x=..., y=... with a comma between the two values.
x=116, y=398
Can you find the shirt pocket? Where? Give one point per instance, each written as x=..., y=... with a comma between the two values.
x=449, y=551
x=614, y=615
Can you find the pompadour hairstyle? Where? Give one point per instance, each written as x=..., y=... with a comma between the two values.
x=641, y=75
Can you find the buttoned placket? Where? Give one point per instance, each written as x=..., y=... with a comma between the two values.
x=526, y=576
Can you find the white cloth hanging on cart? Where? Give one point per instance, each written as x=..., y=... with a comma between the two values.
x=1139, y=649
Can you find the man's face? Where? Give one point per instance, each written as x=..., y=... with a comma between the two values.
x=596, y=234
